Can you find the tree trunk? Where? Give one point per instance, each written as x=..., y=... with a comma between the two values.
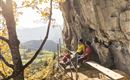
x=14, y=46
x=13, y=40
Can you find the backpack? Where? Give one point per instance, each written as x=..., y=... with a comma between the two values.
x=87, y=53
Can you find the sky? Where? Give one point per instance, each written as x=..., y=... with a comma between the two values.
x=29, y=22
x=30, y=27
x=31, y=19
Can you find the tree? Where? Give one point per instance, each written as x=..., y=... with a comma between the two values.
x=13, y=42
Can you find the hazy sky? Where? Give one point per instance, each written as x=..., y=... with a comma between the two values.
x=30, y=27
x=31, y=19
x=29, y=22
x=38, y=34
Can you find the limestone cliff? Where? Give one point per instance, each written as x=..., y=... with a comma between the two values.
x=106, y=23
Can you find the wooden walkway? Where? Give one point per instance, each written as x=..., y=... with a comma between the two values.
x=106, y=71
x=111, y=74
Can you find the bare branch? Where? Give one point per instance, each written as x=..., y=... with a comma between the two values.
x=38, y=51
x=4, y=60
x=46, y=37
x=4, y=39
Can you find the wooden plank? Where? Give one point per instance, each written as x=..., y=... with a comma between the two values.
x=105, y=71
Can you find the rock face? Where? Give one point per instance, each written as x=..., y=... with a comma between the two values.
x=106, y=23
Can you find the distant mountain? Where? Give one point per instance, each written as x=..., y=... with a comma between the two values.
x=38, y=33
x=34, y=45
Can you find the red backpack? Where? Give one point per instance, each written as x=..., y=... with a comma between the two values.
x=66, y=57
x=87, y=53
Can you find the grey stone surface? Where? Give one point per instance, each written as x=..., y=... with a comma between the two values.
x=106, y=23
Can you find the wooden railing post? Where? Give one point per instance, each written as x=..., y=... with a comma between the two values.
x=76, y=67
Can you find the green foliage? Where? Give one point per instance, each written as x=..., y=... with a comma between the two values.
x=37, y=70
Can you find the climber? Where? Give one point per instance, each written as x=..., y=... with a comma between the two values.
x=87, y=53
x=80, y=50
x=65, y=57
x=83, y=52
x=81, y=47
